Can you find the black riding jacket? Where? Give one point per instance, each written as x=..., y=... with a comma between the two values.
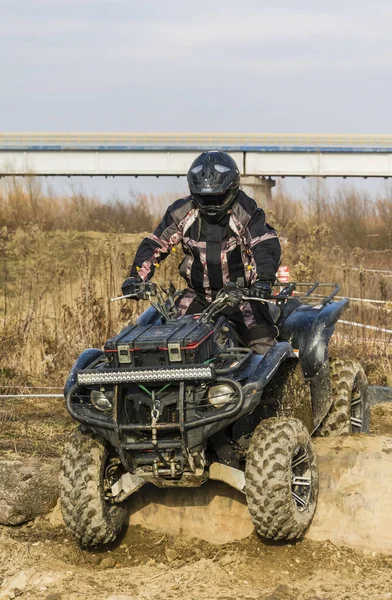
x=241, y=246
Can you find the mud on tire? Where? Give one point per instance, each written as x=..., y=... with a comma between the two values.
x=86, y=512
x=350, y=410
x=281, y=479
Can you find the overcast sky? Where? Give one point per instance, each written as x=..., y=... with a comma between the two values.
x=196, y=65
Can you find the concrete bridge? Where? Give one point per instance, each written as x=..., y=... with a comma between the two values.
x=259, y=156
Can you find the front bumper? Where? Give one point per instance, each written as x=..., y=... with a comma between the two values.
x=136, y=435
x=90, y=417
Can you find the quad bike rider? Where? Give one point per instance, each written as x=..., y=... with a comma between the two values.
x=225, y=239
x=200, y=388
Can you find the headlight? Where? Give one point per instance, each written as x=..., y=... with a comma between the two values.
x=219, y=395
x=100, y=401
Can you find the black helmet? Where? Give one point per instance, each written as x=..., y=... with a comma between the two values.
x=213, y=181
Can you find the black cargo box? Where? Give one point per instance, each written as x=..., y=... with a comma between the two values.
x=185, y=341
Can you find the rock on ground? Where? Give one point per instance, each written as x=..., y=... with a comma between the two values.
x=28, y=488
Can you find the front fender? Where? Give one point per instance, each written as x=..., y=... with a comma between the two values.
x=84, y=360
x=267, y=368
x=149, y=317
x=260, y=373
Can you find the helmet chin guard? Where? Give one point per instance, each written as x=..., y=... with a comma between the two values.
x=215, y=207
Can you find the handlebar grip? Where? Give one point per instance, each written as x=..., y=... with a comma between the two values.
x=143, y=291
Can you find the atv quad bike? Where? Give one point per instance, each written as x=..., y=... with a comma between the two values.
x=177, y=401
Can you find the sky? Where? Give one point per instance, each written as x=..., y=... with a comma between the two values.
x=291, y=66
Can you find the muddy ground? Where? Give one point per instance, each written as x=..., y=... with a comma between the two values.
x=40, y=559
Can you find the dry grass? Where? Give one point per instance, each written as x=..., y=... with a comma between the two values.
x=24, y=201
x=55, y=285
x=34, y=426
x=56, y=289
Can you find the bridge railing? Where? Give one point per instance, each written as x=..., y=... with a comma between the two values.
x=26, y=140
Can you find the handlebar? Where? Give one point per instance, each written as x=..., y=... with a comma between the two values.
x=230, y=295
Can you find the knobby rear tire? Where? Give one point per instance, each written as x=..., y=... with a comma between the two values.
x=350, y=400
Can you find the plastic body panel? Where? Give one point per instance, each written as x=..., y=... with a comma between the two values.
x=85, y=359
x=255, y=376
x=309, y=329
x=149, y=317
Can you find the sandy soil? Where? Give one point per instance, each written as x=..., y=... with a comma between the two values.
x=39, y=560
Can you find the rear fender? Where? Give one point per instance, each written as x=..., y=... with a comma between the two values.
x=309, y=328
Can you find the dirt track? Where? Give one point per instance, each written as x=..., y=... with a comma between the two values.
x=40, y=560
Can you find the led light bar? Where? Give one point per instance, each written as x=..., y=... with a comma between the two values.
x=143, y=375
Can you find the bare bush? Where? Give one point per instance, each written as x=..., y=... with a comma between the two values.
x=283, y=208
x=317, y=200
x=350, y=214
x=23, y=201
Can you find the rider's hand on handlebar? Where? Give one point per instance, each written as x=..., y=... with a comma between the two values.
x=139, y=289
x=261, y=289
x=146, y=290
x=131, y=285
x=234, y=294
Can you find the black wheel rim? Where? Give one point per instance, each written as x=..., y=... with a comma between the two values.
x=356, y=408
x=301, y=478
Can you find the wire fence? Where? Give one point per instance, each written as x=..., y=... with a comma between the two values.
x=383, y=271
x=361, y=325
x=31, y=396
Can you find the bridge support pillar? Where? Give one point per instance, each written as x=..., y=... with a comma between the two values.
x=258, y=188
